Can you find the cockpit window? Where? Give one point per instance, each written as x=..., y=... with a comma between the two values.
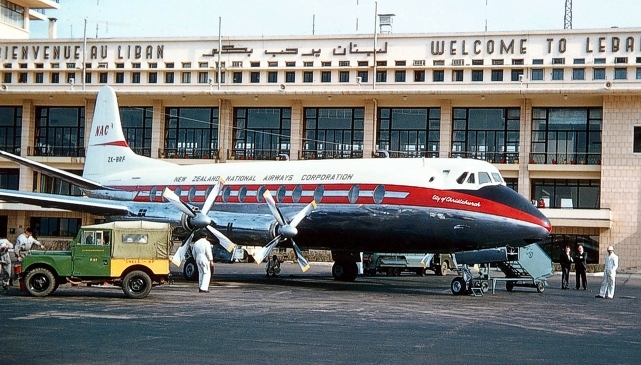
x=484, y=178
x=497, y=177
x=461, y=178
x=470, y=179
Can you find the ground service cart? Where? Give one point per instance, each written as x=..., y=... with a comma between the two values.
x=393, y=264
x=133, y=255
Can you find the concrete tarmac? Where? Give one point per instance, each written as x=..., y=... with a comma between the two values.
x=311, y=318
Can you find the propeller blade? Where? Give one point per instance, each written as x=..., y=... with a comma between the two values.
x=224, y=241
x=265, y=251
x=425, y=261
x=179, y=256
x=304, y=265
x=212, y=196
x=175, y=200
x=303, y=213
x=272, y=206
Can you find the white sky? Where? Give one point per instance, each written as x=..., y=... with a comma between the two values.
x=192, y=18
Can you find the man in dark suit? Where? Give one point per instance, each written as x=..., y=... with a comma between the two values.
x=566, y=263
x=580, y=265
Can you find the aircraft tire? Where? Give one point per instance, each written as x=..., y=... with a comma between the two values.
x=345, y=271
x=190, y=270
x=136, y=284
x=458, y=286
x=540, y=287
x=40, y=282
x=509, y=286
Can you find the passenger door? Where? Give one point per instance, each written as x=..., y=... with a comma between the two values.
x=91, y=256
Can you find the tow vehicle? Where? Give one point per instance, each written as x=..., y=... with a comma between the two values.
x=133, y=255
x=394, y=263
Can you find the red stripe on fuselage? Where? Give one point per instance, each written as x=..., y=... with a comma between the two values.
x=414, y=196
x=114, y=143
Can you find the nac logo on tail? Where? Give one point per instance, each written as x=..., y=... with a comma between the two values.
x=102, y=130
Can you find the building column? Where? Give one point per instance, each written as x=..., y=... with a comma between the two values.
x=157, y=129
x=25, y=180
x=525, y=145
x=225, y=128
x=369, y=128
x=445, y=138
x=90, y=106
x=296, y=130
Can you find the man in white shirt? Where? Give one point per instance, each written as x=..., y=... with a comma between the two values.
x=5, y=262
x=609, y=275
x=204, y=259
x=24, y=242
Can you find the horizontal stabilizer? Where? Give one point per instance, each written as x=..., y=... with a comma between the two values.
x=73, y=203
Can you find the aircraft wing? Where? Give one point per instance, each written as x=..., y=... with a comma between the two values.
x=74, y=203
x=54, y=172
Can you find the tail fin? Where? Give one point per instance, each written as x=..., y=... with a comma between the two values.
x=107, y=150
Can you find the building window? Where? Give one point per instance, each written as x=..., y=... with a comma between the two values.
x=438, y=76
x=557, y=74
x=558, y=61
x=326, y=64
x=419, y=76
x=579, y=61
x=363, y=75
x=381, y=63
x=136, y=126
x=570, y=193
x=409, y=132
x=272, y=77
x=60, y=131
x=477, y=62
x=308, y=64
x=555, y=244
x=326, y=76
x=88, y=77
x=290, y=76
x=343, y=63
x=103, y=77
x=203, y=77
x=578, y=74
x=457, y=75
x=497, y=62
x=135, y=77
x=10, y=129
x=566, y=135
x=272, y=64
x=333, y=133
x=363, y=63
x=518, y=62
x=185, y=77
x=191, y=133
x=237, y=77
x=490, y=134
x=60, y=227
x=537, y=61
x=169, y=77
x=308, y=76
x=599, y=61
x=22, y=78
x=9, y=179
x=537, y=74
x=517, y=75
x=343, y=76
x=477, y=75
x=598, y=74
x=261, y=133
x=120, y=77
x=636, y=147
x=620, y=73
x=399, y=76
x=638, y=73
x=39, y=77
x=381, y=76
x=254, y=77
x=153, y=77
x=55, y=78
x=497, y=75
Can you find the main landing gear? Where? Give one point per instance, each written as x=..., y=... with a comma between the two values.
x=345, y=265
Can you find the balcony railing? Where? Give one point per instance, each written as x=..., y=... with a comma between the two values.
x=255, y=154
x=329, y=154
x=585, y=158
x=194, y=153
x=56, y=151
x=405, y=154
x=11, y=149
x=491, y=157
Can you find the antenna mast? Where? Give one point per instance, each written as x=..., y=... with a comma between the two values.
x=567, y=23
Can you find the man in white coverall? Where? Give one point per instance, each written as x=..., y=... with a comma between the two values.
x=204, y=260
x=609, y=275
x=5, y=262
x=24, y=242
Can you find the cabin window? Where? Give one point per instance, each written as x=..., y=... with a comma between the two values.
x=280, y=193
x=208, y=191
x=318, y=193
x=152, y=194
x=242, y=193
x=226, y=193
x=297, y=193
x=259, y=193
x=178, y=191
x=484, y=178
x=135, y=238
x=379, y=194
x=353, y=194
x=192, y=194
x=497, y=177
x=432, y=179
x=470, y=179
x=461, y=178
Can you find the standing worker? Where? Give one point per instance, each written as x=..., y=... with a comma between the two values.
x=609, y=275
x=580, y=266
x=273, y=266
x=24, y=242
x=204, y=260
x=5, y=262
x=566, y=263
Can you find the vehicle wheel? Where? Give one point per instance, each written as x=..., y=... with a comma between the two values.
x=390, y=271
x=397, y=272
x=338, y=271
x=458, y=286
x=443, y=269
x=40, y=282
x=509, y=286
x=420, y=272
x=136, y=284
x=190, y=270
x=485, y=286
x=345, y=271
x=540, y=287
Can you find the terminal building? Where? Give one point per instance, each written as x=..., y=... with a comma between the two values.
x=558, y=112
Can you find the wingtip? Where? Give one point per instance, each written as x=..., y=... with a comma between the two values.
x=305, y=268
